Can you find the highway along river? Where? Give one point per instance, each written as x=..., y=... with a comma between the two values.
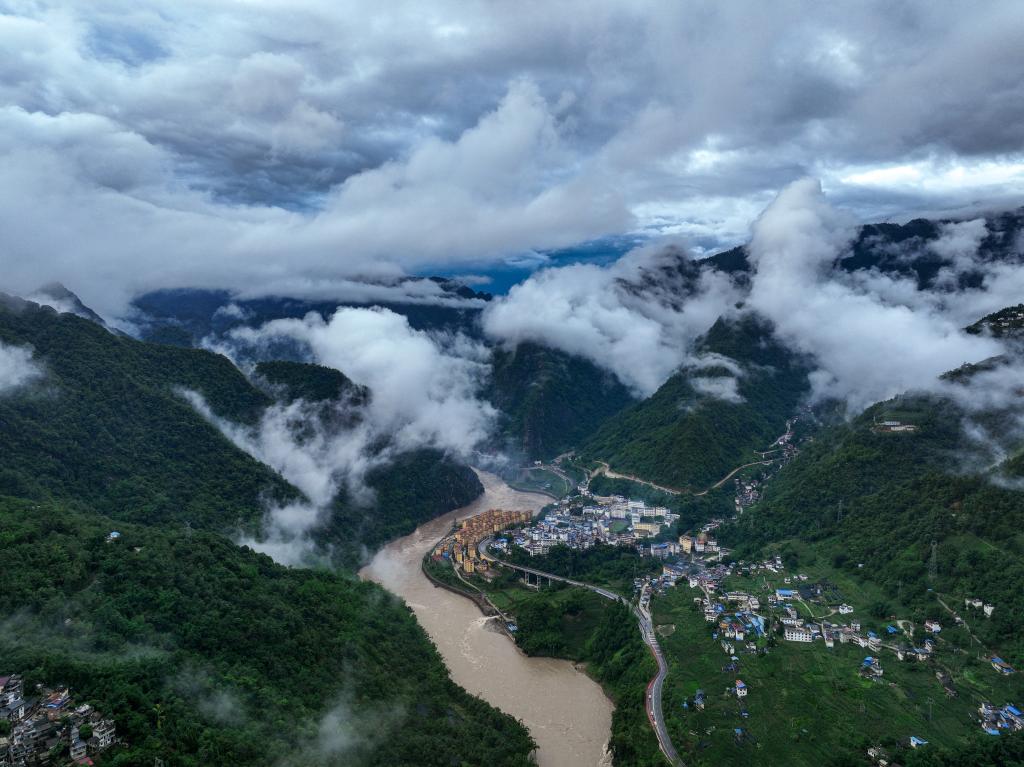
x=567, y=713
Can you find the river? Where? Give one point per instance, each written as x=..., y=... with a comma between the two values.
x=566, y=712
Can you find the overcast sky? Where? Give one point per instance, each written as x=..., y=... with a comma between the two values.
x=262, y=143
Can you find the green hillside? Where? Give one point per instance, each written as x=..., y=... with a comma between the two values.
x=873, y=501
x=551, y=401
x=314, y=383
x=681, y=437
x=208, y=654
x=108, y=430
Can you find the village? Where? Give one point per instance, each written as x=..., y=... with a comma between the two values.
x=47, y=728
x=777, y=604
x=613, y=521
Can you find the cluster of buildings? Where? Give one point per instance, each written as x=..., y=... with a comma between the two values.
x=47, y=728
x=462, y=546
x=614, y=521
x=995, y=720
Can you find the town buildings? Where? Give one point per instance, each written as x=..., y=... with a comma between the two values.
x=47, y=728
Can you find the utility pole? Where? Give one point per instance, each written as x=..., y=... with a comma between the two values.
x=933, y=563
x=930, y=702
x=839, y=512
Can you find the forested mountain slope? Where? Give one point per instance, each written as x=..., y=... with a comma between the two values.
x=705, y=420
x=551, y=401
x=105, y=427
x=208, y=654
x=867, y=495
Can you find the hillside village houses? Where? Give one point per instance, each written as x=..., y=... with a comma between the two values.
x=47, y=728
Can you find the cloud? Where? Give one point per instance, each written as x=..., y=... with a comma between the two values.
x=17, y=367
x=161, y=145
x=867, y=346
x=637, y=318
x=719, y=387
x=423, y=394
x=423, y=387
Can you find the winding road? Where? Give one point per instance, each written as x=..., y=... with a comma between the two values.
x=643, y=615
x=609, y=472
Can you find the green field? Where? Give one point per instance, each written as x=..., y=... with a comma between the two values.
x=807, y=705
x=542, y=481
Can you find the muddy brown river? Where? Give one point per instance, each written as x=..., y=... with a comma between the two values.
x=566, y=712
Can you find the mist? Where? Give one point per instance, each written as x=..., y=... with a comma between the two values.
x=17, y=367
x=423, y=394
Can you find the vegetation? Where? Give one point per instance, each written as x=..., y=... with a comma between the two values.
x=551, y=401
x=807, y=704
x=602, y=565
x=313, y=383
x=109, y=430
x=210, y=654
x=206, y=653
x=874, y=502
x=683, y=438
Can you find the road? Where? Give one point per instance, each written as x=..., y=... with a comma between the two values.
x=608, y=472
x=643, y=615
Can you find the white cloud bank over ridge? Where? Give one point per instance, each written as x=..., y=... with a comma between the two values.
x=871, y=335
x=157, y=144
x=867, y=346
x=642, y=335
x=423, y=395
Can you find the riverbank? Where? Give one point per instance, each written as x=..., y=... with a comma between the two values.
x=567, y=713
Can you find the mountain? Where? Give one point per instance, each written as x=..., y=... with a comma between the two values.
x=551, y=401
x=109, y=430
x=314, y=383
x=63, y=300
x=210, y=655
x=207, y=653
x=1006, y=324
x=711, y=416
x=908, y=250
x=185, y=316
x=924, y=509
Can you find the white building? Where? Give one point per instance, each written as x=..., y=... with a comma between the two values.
x=798, y=634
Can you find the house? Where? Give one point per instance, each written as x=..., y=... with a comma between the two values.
x=797, y=634
x=988, y=610
x=699, y=700
x=78, y=749
x=916, y=742
x=741, y=689
x=1001, y=665
x=784, y=593
x=103, y=731
x=933, y=626
x=845, y=609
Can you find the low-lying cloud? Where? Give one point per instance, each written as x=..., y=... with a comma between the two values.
x=423, y=394
x=17, y=367
x=868, y=346
x=637, y=318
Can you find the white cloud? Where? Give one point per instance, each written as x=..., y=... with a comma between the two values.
x=637, y=318
x=720, y=387
x=151, y=145
x=867, y=346
x=422, y=395
x=17, y=367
